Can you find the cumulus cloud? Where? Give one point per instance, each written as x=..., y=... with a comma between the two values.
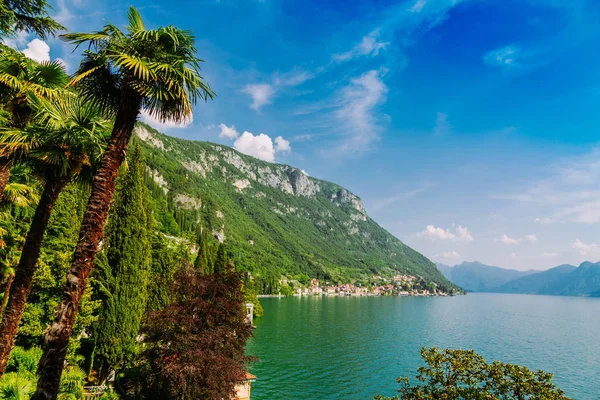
x=261, y=94
x=37, y=50
x=525, y=239
x=156, y=123
x=431, y=232
x=228, y=132
x=586, y=249
x=370, y=45
x=261, y=146
x=282, y=145
x=503, y=57
x=508, y=240
x=442, y=126
x=17, y=41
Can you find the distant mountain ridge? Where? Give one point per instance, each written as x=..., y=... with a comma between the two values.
x=563, y=280
x=477, y=277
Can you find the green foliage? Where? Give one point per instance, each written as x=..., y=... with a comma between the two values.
x=312, y=241
x=201, y=263
x=22, y=360
x=250, y=297
x=167, y=257
x=71, y=383
x=465, y=375
x=27, y=15
x=17, y=385
x=123, y=269
x=53, y=264
x=220, y=265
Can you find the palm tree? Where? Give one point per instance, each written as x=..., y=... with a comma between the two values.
x=156, y=70
x=65, y=142
x=20, y=75
x=27, y=15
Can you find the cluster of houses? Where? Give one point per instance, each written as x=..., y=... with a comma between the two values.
x=399, y=285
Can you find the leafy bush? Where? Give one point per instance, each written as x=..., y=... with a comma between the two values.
x=465, y=375
x=17, y=385
x=22, y=360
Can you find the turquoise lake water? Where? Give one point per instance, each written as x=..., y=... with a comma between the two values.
x=354, y=348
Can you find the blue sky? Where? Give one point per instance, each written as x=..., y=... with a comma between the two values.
x=469, y=128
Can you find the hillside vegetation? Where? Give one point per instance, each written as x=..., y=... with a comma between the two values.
x=277, y=221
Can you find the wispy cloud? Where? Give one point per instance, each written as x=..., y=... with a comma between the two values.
x=448, y=255
x=370, y=45
x=442, y=126
x=263, y=93
x=569, y=191
x=504, y=57
x=357, y=113
x=590, y=250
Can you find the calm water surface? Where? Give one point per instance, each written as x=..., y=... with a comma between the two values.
x=354, y=348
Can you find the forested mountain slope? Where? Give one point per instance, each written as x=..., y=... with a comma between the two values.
x=277, y=221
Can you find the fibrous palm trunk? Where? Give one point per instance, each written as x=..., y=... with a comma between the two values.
x=6, y=291
x=4, y=177
x=92, y=229
x=21, y=285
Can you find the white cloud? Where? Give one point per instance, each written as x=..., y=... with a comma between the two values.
x=548, y=255
x=508, y=240
x=261, y=94
x=356, y=112
x=370, y=45
x=228, y=132
x=418, y=6
x=442, y=126
x=261, y=146
x=461, y=234
x=17, y=41
x=37, y=50
x=282, y=145
x=154, y=122
x=586, y=249
x=449, y=255
x=503, y=57
x=545, y=220
x=529, y=238
x=295, y=77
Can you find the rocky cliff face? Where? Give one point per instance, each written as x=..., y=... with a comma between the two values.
x=279, y=220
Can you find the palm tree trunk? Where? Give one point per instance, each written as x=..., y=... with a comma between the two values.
x=4, y=177
x=6, y=292
x=92, y=229
x=21, y=285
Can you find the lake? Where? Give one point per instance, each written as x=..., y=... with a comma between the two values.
x=355, y=347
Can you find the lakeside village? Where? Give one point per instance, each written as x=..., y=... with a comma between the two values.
x=399, y=285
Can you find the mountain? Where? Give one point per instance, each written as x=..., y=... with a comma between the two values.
x=583, y=281
x=538, y=282
x=564, y=280
x=278, y=222
x=477, y=277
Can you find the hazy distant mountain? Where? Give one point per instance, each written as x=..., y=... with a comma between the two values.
x=583, y=281
x=564, y=280
x=539, y=282
x=477, y=277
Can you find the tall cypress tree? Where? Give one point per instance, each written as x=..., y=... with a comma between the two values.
x=123, y=270
x=220, y=266
x=201, y=263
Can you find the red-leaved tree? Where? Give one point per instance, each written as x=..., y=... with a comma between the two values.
x=195, y=347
